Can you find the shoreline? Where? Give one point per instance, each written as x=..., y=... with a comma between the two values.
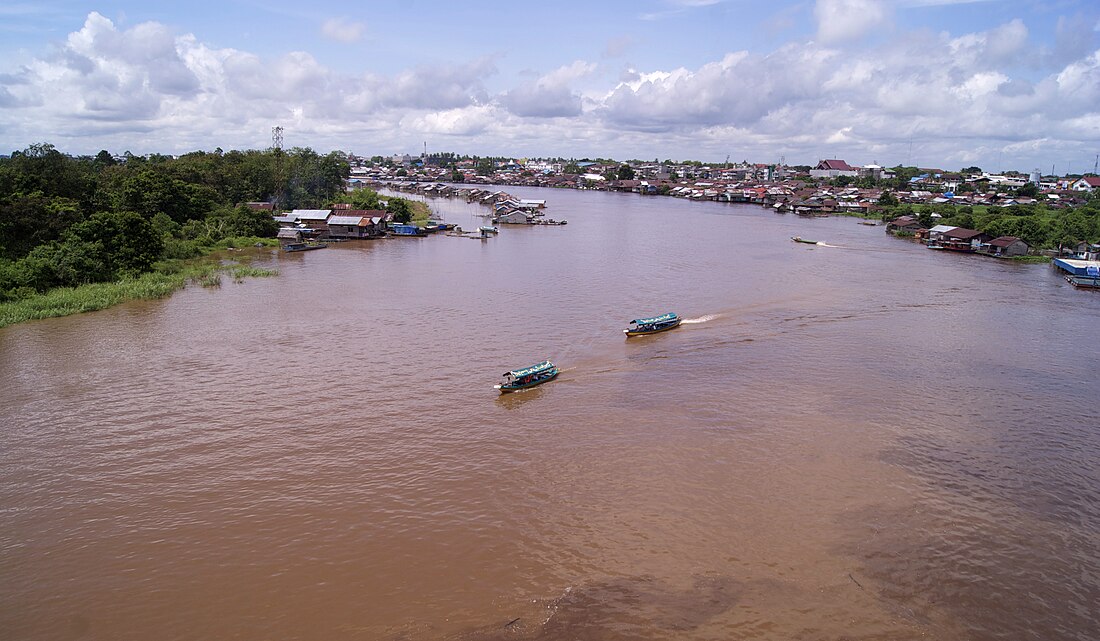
x=168, y=277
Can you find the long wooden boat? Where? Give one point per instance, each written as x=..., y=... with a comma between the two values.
x=653, y=325
x=531, y=376
x=301, y=247
x=799, y=239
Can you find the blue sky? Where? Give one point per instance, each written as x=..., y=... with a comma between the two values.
x=1000, y=84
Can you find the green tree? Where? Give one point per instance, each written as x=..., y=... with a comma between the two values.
x=399, y=207
x=244, y=221
x=105, y=159
x=626, y=172
x=150, y=191
x=129, y=242
x=31, y=220
x=363, y=198
x=1029, y=190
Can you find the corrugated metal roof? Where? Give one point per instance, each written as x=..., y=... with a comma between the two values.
x=345, y=220
x=961, y=233
x=312, y=214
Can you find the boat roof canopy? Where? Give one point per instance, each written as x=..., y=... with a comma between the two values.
x=533, y=369
x=664, y=318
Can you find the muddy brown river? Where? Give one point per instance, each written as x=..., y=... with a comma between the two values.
x=861, y=439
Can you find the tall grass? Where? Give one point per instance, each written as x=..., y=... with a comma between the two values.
x=87, y=298
x=169, y=276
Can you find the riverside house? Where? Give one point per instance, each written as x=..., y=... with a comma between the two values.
x=904, y=223
x=956, y=238
x=315, y=219
x=1004, y=247
x=358, y=223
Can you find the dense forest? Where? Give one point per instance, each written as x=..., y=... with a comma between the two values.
x=68, y=221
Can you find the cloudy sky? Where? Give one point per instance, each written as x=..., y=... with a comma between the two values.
x=1003, y=84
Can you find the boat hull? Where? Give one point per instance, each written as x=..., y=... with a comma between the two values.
x=304, y=247
x=656, y=330
x=515, y=387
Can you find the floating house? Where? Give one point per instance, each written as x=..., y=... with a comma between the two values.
x=1080, y=273
x=515, y=217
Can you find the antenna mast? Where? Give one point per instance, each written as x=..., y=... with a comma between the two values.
x=279, y=197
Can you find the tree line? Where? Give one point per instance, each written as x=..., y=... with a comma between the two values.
x=68, y=221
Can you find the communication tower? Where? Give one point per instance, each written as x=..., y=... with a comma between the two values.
x=279, y=197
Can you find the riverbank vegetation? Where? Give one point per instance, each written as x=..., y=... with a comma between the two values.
x=1038, y=225
x=82, y=233
x=165, y=277
x=403, y=210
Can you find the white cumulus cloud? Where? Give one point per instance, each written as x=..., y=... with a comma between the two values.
x=951, y=95
x=342, y=29
x=840, y=20
x=550, y=95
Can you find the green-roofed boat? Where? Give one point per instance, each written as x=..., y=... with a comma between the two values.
x=662, y=323
x=536, y=374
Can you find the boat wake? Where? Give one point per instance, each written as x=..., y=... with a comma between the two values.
x=701, y=319
x=820, y=244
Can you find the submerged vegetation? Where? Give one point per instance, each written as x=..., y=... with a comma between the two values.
x=83, y=233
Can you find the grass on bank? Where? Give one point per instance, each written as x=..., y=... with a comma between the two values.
x=421, y=213
x=167, y=277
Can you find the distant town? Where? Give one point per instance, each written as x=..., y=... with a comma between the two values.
x=831, y=184
x=1005, y=215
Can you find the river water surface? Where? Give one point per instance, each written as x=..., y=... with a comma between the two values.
x=857, y=440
